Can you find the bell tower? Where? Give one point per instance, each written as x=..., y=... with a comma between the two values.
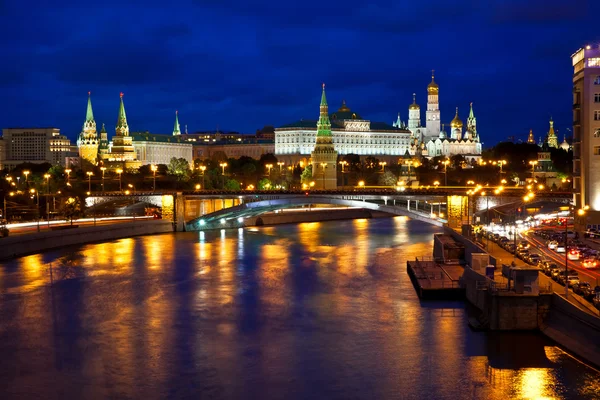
x=433, y=109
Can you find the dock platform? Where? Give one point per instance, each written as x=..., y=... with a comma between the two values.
x=435, y=281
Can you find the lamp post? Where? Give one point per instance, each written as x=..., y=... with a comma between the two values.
x=280, y=163
x=68, y=172
x=223, y=165
x=153, y=168
x=533, y=164
x=323, y=165
x=580, y=212
x=383, y=164
x=120, y=171
x=202, y=168
x=47, y=177
x=89, y=174
x=102, y=169
x=445, y=163
x=269, y=166
x=343, y=163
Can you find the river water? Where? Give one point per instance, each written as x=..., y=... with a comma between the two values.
x=306, y=311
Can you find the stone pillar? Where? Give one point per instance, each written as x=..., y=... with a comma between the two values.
x=179, y=212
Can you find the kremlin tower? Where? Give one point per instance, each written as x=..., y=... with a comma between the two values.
x=324, y=156
x=176, y=130
x=122, y=154
x=87, y=142
x=552, y=139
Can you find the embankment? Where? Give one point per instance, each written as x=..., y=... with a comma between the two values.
x=16, y=246
x=314, y=215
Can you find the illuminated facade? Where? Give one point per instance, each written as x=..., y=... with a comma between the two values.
x=36, y=145
x=586, y=132
x=350, y=134
x=88, y=138
x=121, y=153
x=324, y=156
x=551, y=138
x=466, y=144
x=159, y=149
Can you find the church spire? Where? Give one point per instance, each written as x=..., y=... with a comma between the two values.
x=122, y=120
x=176, y=130
x=531, y=138
x=323, y=125
x=89, y=116
x=552, y=138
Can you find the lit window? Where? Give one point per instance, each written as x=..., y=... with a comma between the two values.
x=596, y=115
x=597, y=150
x=596, y=97
x=597, y=80
x=594, y=62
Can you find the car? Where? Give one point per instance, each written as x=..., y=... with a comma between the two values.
x=560, y=248
x=534, y=259
x=589, y=263
x=554, y=273
x=573, y=255
x=584, y=289
x=591, y=233
x=572, y=280
x=552, y=245
x=523, y=244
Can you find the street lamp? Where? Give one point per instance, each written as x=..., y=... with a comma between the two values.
x=343, y=163
x=223, y=165
x=280, y=163
x=323, y=165
x=47, y=176
x=68, y=172
x=383, y=164
x=132, y=188
x=120, y=171
x=533, y=164
x=102, y=169
x=202, y=168
x=154, y=168
x=26, y=173
x=89, y=174
x=580, y=212
x=445, y=163
x=269, y=166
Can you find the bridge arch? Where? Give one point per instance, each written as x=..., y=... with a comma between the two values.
x=235, y=216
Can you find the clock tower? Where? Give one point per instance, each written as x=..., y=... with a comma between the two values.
x=433, y=110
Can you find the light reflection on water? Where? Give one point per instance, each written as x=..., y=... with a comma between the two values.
x=316, y=310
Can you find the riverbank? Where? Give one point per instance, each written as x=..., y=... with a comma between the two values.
x=17, y=246
x=313, y=215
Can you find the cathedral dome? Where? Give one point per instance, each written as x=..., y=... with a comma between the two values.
x=456, y=122
x=414, y=105
x=344, y=112
x=433, y=87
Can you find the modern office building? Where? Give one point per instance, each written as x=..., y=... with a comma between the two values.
x=586, y=133
x=36, y=145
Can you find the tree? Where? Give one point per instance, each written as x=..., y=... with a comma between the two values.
x=232, y=184
x=264, y=184
x=180, y=168
x=387, y=179
x=306, y=176
x=71, y=208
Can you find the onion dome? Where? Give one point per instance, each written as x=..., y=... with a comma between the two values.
x=433, y=87
x=343, y=107
x=443, y=134
x=456, y=122
x=414, y=105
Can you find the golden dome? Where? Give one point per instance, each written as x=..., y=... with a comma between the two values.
x=433, y=87
x=456, y=122
x=343, y=107
x=414, y=105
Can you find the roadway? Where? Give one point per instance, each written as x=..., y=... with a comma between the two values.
x=23, y=228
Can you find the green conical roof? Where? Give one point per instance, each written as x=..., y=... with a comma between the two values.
x=103, y=130
x=89, y=116
x=471, y=115
x=122, y=121
x=176, y=130
x=323, y=98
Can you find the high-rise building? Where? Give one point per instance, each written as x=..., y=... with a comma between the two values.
x=324, y=156
x=586, y=133
x=36, y=145
x=88, y=138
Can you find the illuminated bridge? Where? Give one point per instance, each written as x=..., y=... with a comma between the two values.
x=195, y=210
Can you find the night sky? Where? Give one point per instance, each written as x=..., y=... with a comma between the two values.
x=240, y=65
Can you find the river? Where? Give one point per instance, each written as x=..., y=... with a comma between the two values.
x=307, y=311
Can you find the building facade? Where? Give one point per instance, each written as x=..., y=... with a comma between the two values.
x=464, y=143
x=350, y=134
x=586, y=132
x=36, y=145
x=159, y=149
x=87, y=142
x=253, y=148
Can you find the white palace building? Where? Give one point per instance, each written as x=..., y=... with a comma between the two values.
x=354, y=135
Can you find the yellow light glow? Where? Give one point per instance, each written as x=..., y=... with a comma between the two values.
x=361, y=183
x=197, y=186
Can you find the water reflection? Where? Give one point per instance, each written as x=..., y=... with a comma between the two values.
x=320, y=310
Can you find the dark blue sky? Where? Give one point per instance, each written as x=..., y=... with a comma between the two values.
x=240, y=65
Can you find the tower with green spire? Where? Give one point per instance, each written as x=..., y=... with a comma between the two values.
x=176, y=130
x=87, y=142
x=122, y=153
x=472, y=125
x=103, y=146
x=324, y=156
